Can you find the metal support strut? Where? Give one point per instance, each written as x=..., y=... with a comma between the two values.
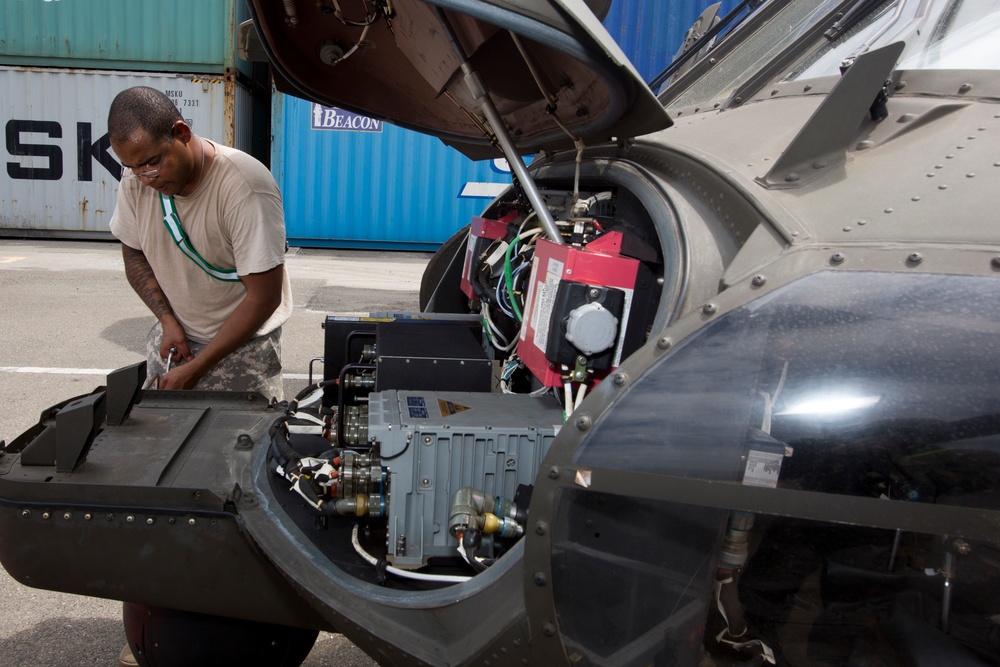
x=482, y=95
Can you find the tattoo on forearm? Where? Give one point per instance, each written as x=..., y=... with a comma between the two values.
x=143, y=281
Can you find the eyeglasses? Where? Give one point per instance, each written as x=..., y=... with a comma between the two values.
x=140, y=172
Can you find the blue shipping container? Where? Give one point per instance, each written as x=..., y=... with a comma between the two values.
x=351, y=182
x=354, y=182
x=650, y=32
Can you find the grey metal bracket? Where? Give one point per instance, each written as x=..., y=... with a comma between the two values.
x=66, y=443
x=124, y=386
x=825, y=138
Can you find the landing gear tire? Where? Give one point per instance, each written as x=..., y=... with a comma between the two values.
x=169, y=638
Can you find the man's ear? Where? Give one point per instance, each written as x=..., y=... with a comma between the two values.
x=182, y=131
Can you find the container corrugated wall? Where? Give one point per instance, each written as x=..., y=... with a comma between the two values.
x=176, y=36
x=402, y=189
x=651, y=31
x=61, y=64
x=242, y=122
x=60, y=176
x=392, y=188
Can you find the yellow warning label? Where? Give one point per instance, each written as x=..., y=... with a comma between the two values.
x=448, y=408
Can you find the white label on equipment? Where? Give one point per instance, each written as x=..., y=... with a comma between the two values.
x=762, y=469
x=497, y=255
x=546, y=297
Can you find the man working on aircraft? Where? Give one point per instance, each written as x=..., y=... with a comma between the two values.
x=203, y=240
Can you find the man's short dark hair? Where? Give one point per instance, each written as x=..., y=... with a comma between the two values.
x=141, y=108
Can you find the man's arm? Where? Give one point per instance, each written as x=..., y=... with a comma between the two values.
x=142, y=279
x=262, y=298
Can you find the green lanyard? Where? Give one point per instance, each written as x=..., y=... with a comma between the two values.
x=173, y=223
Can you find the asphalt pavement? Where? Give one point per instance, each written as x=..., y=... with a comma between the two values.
x=68, y=316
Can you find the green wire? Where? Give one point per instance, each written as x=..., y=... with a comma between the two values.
x=509, y=280
x=486, y=328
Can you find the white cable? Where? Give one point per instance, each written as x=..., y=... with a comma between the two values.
x=584, y=205
x=507, y=346
x=511, y=364
x=579, y=396
x=353, y=48
x=579, y=161
x=491, y=325
x=461, y=550
x=305, y=416
x=311, y=398
x=465, y=555
x=525, y=221
x=406, y=574
x=530, y=232
x=361, y=551
x=567, y=395
x=302, y=429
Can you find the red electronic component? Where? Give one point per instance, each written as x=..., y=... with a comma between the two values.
x=599, y=264
x=482, y=233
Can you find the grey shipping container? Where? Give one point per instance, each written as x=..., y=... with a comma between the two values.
x=60, y=177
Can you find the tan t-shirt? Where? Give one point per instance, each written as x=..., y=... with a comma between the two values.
x=234, y=220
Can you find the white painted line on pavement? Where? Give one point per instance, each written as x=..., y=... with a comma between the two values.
x=55, y=371
x=101, y=371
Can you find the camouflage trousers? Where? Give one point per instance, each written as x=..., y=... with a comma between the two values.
x=254, y=366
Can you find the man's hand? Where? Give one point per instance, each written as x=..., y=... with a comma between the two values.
x=262, y=298
x=179, y=377
x=174, y=337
